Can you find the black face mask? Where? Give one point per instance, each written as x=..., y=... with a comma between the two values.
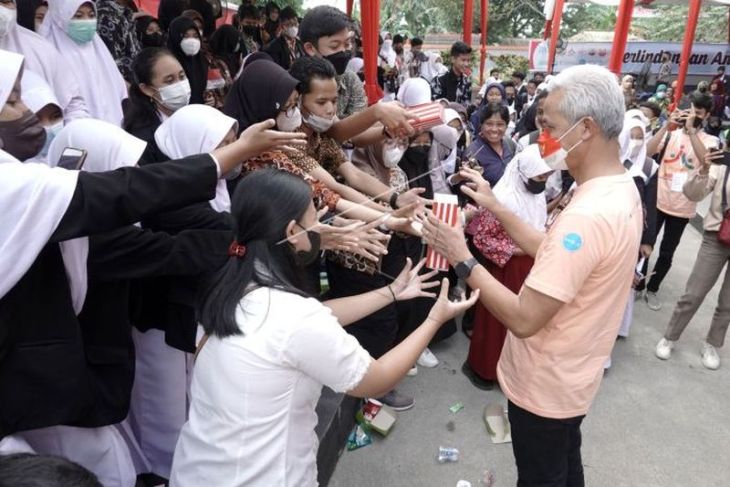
x=510, y=100
x=305, y=258
x=535, y=187
x=339, y=60
x=418, y=152
x=22, y=138
x=398, y=50
x=152, y=40
x=250, y=30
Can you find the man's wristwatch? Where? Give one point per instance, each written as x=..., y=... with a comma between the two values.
x=463, y=269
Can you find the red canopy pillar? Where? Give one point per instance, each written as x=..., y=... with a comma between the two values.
x=484, y=5
x=689, y=39
x=555, y=33
x=349, y=8
x=468, y=20
x=620, y=35
x=370, y=11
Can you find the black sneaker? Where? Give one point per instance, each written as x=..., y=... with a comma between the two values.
x=478, y=382
x=396, y=400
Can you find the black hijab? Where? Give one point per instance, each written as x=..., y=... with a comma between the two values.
x=225, y=44
x=196, y=67
x=259, y=93
x=26, y=12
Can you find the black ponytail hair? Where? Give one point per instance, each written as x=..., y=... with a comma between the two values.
x=139, y=109
x=262, y=206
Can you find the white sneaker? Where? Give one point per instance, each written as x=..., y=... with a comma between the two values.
x=710, y=359
x=652, y=301
x=427, y=359
x=664, y=349
x=413, y=371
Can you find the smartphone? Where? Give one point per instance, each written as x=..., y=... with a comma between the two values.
x=725, y=156
x=72, y=159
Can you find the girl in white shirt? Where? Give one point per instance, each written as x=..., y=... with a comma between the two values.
x=258, y=377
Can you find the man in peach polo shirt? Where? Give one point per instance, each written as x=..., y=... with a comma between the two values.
x=564, y=322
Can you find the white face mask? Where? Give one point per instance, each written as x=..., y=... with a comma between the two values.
x=176, y=95
x=289, y=121
x=319, y=124
x=635, y=146
x=292, y=32
x=392, y=154
x=446, y=135
x=556, y=159
x=8, y=18
x=190, y=46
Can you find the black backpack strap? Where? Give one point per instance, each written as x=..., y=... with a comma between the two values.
x=664, y=149
x=648, y=165
x=724, y=189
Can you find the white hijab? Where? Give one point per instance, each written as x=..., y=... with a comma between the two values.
x=33, y=197
x=10, y=64
x=100, y=81
x=387, y=53
x=430, y=69
x=441, y=158
x=197, y=129
x=414, y=91
x=355, y=64
x=107, y=147
x=638, y=159
x=42, y=58
x=511, y=190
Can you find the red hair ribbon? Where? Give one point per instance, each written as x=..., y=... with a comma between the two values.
x=237, y=250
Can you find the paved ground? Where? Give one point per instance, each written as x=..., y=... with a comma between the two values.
x=653, y=423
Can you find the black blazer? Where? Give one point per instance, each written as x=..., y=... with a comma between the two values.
x=43, y=376
x=279, y=50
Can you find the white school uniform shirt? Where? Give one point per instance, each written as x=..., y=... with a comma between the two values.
x=253, y=396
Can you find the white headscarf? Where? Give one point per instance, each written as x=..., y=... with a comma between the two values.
x=107, y=147
x=431, y=69
x=414, y=91
x=10, y=64
x=387, y=53
x=639, y=158
x=511, y=190
x=355, y=64
x=101, y=83
x=441, y=157
x=42, y=58
x=36, y=95
x=33, y=198
x=197, y=129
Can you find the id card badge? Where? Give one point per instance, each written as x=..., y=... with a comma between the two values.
x=678, y=180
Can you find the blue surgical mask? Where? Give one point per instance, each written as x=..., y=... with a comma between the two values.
x=82, y=31
x=51, y=132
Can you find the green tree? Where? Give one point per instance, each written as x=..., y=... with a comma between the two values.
x=669, y=24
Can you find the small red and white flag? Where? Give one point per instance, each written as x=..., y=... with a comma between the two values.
x=428, y=116
x=446, y=209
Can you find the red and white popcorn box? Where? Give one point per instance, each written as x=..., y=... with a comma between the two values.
x=446, y=209
x=428, y=116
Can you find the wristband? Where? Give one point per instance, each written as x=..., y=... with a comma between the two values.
x=391, y=292
x=394, y=201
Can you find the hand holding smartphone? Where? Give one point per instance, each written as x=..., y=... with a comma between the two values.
x=72, y=159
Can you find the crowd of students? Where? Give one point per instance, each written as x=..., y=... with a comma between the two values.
x=162, y=312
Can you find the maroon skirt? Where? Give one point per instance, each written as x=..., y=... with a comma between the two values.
x=488, y=336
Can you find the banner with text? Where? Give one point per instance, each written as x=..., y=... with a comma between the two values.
x=704, y=61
